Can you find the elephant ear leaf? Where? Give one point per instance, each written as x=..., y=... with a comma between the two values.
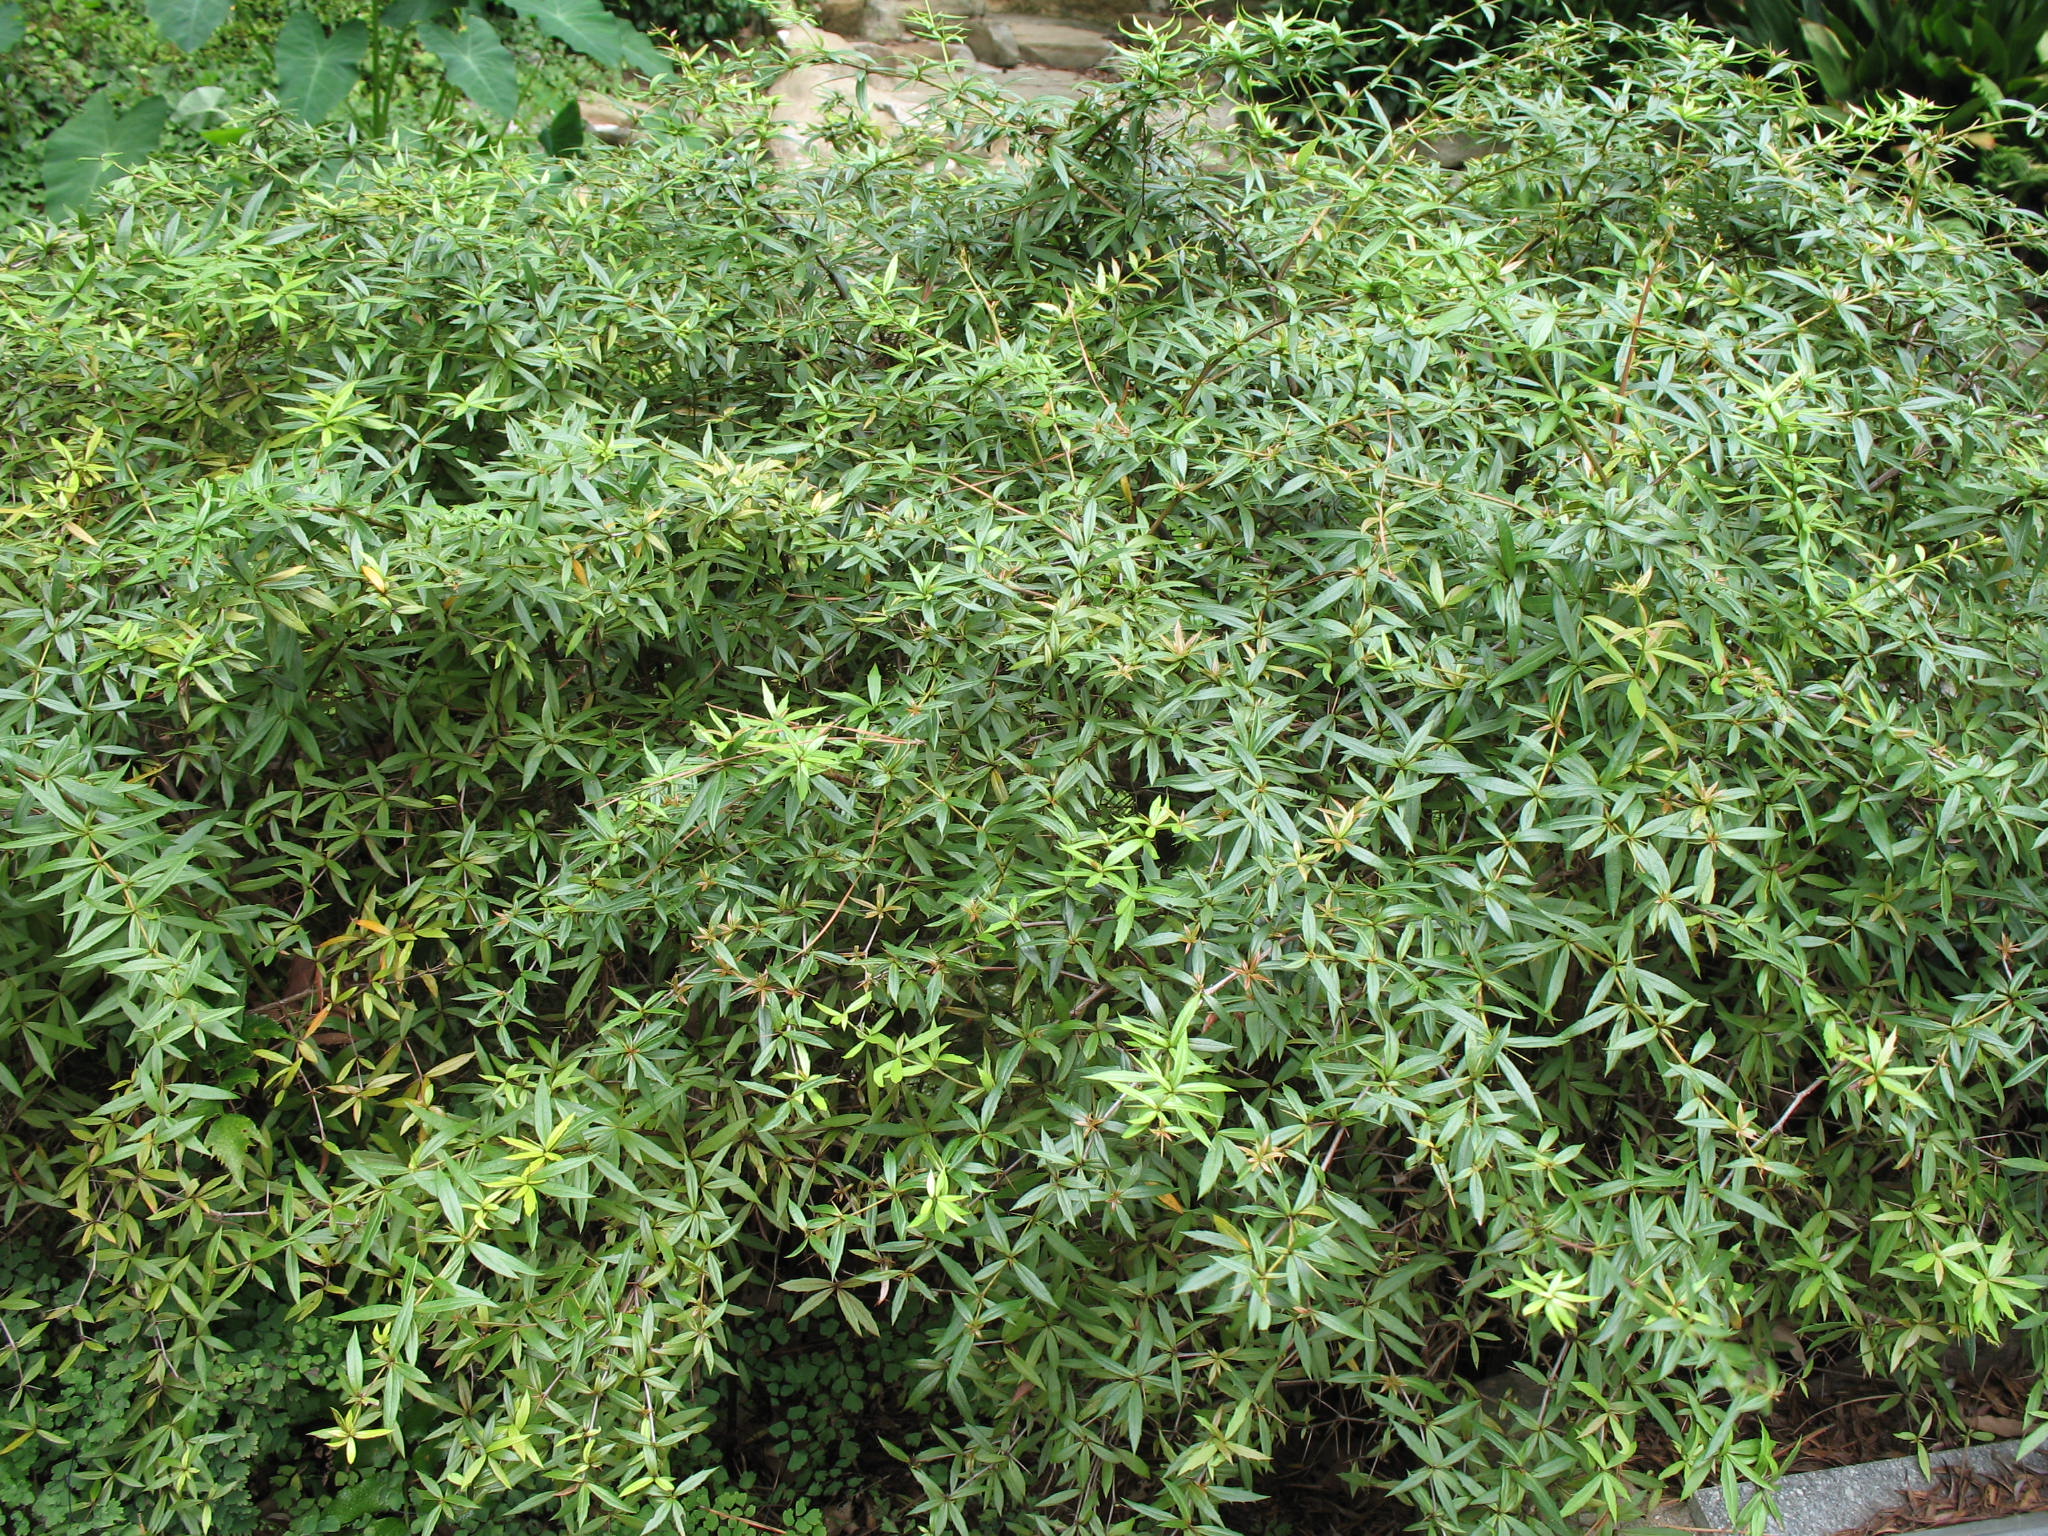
x=12, y=27
x=316, y=68
x=95, y=146
x=187, y=24
x=476, y=64
x=564, y=132
x=589, y=28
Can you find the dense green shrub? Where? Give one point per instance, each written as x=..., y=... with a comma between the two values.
x=74, y=48
x=1399, y=51
x=71, y=48
x=1200, y=779
x=792, y=1415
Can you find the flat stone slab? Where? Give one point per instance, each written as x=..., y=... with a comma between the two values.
x=1030, y=82
x=1822, y=1503
x=1059, y=44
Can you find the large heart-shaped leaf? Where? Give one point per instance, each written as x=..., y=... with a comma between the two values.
x=588, y=27
x=564, y=132
x=200, y=105
x=12, y=28
x=97, y=145
x=316, y=68
x=638, y=51
x=476, y=64
x=187, y=24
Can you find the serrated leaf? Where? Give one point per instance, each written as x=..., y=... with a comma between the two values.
x=187, y=24
x=229, y=1139
x=316, y=69
x=12, y=27
x=477, y=64
x=564, y=132
x=96, y=146
x=368, y=1496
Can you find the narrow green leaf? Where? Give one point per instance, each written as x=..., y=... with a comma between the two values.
x=187, y=24
x=96, y=146
x=477, y=64
x=495, y=1258
x=12, y=27
x=316, y=69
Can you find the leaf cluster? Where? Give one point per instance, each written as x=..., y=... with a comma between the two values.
x=1200, y=776
x=197, y=63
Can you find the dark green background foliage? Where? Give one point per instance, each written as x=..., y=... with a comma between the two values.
x=691, y=22
x=74, y=47
x=1957, y=52
x=795, y=1423
x=1196, y=782
x=1971, y=56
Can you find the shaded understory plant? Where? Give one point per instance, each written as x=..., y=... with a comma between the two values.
x=94, y=84
x=1981, y=60
x=1190, y=773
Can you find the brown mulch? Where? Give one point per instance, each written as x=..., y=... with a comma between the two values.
x=1959, y=1495
x=1838, y=1419
x=1841, y=1418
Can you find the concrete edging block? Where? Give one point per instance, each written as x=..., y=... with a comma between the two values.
x=1836, y=1498
x=2009, y=1525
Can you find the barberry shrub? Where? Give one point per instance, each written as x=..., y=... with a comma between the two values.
x=1237, y=778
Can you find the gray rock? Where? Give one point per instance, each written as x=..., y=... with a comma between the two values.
x=810, y=94
x=1030, y=83
x=914, y=49
x=889, y=21
x=606, y=118
x=841, y=16
x=1058, y=44
x=1104, y=15
x=993, y=42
